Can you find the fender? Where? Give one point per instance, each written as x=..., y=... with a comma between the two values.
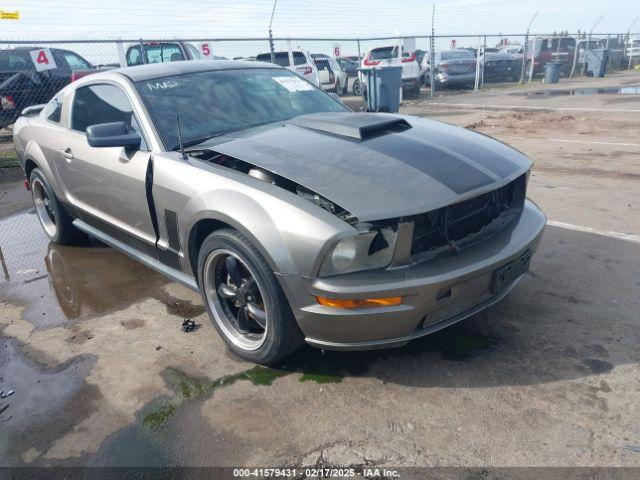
x=266, y=231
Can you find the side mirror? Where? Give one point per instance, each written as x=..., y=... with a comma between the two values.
x=33, y=110
x=335, y=96
x=113, y=134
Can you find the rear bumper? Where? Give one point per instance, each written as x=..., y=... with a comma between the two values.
x=452, y=78
x=465, y=280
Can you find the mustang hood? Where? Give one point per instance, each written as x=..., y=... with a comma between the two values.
x=379, y=166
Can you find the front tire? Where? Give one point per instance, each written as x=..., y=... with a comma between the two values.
x=244, y=299
x=56, y=222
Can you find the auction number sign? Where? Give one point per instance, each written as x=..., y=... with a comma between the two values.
x=42, y=59
x=206, y=51
x=336, y=50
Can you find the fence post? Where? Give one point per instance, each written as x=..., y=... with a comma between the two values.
x=143, y=52
x=432, y=60
x=272, y=49
x=359, y=54
x=525, y=54
x=484, y=60
x=477, y=82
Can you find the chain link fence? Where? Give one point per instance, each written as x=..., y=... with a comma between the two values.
x=31, y=72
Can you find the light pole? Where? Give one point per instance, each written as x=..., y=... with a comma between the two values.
x=271, y=47
x=526, y=47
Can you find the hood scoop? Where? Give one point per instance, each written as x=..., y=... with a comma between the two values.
x=355, y=126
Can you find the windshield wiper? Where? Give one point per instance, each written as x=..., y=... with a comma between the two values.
x=193, y=143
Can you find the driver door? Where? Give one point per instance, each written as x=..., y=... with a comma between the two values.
x=107, y=184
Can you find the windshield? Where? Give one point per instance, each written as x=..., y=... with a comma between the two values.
x=217, y=102
x=383, y=53
x=457, y=55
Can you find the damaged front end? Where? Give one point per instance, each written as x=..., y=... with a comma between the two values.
x=419, y=238
x=247, y=168
x=401, y=241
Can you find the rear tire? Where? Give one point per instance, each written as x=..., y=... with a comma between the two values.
x=56, y=222
x=244, y=299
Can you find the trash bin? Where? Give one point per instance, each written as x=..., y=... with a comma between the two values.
x=552, y=72
x=596, y=62
x=382, y=88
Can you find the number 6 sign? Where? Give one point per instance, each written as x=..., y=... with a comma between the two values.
x=336, y=49
x=42, y=59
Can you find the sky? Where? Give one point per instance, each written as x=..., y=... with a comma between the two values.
x=307, y=18
x=217, y=19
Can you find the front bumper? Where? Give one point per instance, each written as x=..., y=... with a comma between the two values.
x=436, y=293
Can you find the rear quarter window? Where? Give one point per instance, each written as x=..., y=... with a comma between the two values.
x=53, y=110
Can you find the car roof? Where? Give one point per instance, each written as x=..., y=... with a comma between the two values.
x=159, y=70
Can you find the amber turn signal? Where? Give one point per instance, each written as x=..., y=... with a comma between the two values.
x=365, y=303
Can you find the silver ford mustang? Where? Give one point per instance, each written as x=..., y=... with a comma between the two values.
x=297, y=219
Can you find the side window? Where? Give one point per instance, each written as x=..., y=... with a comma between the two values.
x=53, y=111
x=102, y=104
x=76, y=62
x=299, y=58
x=193, y=51
x=164, y=52
x=134, y=57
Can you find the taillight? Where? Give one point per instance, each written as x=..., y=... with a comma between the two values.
x=370, y=63
x=332, y=77
x=306, y=70
x=443, y=66
x=410, y=58
x=76, y=74
x=7, y=102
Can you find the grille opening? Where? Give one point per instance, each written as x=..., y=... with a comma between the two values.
x=453, y=227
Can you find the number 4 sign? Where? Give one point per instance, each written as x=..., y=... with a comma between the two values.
x=42, y=59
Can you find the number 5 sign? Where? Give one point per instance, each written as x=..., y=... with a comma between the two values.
x=206, y=51
x=42, y=59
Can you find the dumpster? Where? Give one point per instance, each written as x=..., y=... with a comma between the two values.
x=552, y=72
x=596, y=62
x=382, y=87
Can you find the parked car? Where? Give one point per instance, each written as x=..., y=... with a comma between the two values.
x=552, y=48
x=632, y=52
x=296, y=219
x=516, y=51
x=500, y=66
x=331, y=76
x=389, y=56
x=21, y=85
x=349, y=66
x=298, y=61
x=452, y=67
x=159, y=52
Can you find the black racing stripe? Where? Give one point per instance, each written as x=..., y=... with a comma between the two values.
x=481, y=155
x=452, y=172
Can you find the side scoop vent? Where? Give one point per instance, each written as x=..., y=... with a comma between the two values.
x=356, y=126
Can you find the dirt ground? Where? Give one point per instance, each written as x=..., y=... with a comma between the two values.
x=91, y=341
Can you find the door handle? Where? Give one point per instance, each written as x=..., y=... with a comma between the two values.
x=68, y=154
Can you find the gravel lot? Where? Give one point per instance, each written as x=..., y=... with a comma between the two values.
x=91, y=341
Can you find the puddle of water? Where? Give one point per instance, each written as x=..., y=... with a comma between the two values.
x=45, y=401
x=61, y=283
x=632, y=90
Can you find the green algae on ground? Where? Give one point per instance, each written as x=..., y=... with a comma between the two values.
x=158, y=417
x=319, y=376
x=190, y=387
